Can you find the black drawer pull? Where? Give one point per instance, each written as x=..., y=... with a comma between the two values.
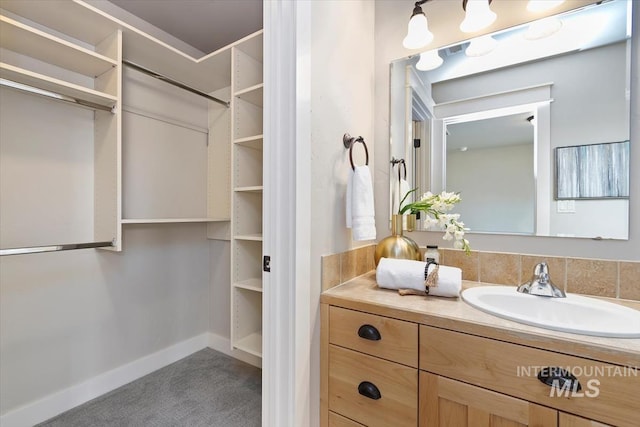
x=369, y=390
x=369, y=332
x=559, y=378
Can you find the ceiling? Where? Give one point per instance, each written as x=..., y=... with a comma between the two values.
x=514, y=129
x=206, y=25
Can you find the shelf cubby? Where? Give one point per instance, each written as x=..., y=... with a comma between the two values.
x=247, y=213
x=247, y=167
x=248, y=63
x=252, y=95
x=247, y=328
x=247, y=119
x=247, y=260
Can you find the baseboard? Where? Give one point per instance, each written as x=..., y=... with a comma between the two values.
x=59, y=402
x=223, y=345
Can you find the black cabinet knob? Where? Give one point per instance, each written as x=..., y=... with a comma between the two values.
x=369, y=332
x=560, y=378
x=369, y=390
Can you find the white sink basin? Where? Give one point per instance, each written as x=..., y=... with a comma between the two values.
x=576, y=314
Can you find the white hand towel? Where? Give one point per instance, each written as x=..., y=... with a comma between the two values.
x=360, y=206
x=407, y=274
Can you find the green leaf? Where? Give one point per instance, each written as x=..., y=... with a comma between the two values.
x=403, y=209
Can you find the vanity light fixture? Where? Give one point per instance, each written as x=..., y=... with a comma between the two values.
x=478, y=15
x=542, y=5
x=418, y=34
x=481, y=46
x=429, y=60
x=543, y=28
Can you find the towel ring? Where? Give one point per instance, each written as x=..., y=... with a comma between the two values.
x=395, y=161
x=349, y=142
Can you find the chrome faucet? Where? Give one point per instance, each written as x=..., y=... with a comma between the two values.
x=540, y=284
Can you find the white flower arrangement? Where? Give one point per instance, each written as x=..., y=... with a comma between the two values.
x=436, y=206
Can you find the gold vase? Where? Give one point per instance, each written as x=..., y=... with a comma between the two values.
x=397, y=245
x=410, y=219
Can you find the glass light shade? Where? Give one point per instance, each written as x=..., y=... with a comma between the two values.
x=429, y=60
x=478, y=16
x=543, y=5
x=418, y=34
x=481, y=46
x=543, y=28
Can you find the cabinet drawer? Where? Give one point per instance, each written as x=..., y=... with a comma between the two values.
x=387, y=338
x=336, y=420
x=397, y=384
x=609, y=392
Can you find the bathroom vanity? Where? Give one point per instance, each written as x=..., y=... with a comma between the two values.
x=391, y=360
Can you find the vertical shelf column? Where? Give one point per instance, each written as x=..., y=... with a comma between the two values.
x=246, y=195
x=108, y=150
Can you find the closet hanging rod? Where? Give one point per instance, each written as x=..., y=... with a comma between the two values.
x=54, y=248
x=173, y=82
x=53, y=95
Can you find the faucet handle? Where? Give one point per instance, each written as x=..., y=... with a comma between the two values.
x=541, y=268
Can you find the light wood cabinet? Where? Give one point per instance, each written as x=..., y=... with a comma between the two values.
x=336, y=420
x=445, y=402
x=606, y=393
x=568, y=420
x=371, y=368
x=464, y=379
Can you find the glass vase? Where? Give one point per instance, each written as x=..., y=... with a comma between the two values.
x=397, y=245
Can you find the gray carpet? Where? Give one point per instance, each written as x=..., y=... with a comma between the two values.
x=207, y=388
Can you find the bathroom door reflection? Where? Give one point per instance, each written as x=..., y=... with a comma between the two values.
x=491, y=163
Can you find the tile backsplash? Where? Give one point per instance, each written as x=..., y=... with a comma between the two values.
x=614, y=279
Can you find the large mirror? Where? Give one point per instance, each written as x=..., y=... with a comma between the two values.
x=531, y=127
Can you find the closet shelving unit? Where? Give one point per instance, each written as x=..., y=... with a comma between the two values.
x=75, y=36
x=77, y=50
x=86, y=73
x=247, y=201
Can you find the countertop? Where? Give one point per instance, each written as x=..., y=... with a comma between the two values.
x=362, y=293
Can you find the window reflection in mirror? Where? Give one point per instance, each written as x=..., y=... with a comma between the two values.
x=578, y=94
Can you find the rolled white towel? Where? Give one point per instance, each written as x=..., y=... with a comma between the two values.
x=407, y=274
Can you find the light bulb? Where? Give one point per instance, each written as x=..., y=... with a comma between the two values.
x=478, y=16
x=429, y=60
x=481, y=46
x=543, y=5
x=418, y=34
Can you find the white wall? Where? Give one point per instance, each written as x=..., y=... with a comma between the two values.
x=491, y=203
x=69, y=316
x=391, y=20
x=342, y=88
